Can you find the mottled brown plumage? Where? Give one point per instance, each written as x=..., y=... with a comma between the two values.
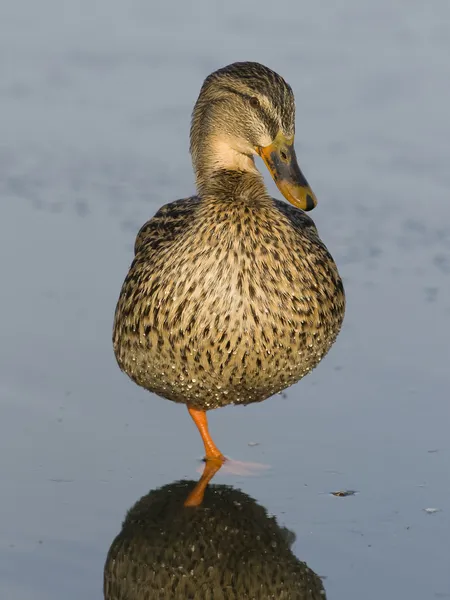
x=229, y=549
x=231, y=296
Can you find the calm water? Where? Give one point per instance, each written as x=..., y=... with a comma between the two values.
x=95, y=106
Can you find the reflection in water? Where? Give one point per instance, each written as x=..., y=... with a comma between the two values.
x=226, y=549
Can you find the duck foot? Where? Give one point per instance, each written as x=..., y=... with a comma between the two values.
x=215, y=457
x=239, y=467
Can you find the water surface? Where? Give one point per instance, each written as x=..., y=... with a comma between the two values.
x=96, y=100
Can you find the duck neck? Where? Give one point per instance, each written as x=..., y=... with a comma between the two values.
x=230, y=185
x=222, y=170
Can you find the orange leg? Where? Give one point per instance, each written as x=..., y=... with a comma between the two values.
x=195, y=498
x=211, y=450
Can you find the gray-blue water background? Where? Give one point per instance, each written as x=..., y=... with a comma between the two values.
x=95, y=101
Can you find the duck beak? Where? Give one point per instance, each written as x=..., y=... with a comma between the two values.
x=282, y=163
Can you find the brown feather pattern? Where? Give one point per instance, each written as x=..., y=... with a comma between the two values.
x=232, y=296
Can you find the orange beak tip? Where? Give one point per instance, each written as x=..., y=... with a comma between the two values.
x=281, y=161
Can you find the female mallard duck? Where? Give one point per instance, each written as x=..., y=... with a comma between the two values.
x=232, y=296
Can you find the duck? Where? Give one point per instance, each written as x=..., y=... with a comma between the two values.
x=232, y=296
x=229, y=548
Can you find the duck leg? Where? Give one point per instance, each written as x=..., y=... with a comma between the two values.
x=211, y=450
x=216, y=458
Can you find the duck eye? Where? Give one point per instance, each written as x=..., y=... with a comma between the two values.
x=254, y=102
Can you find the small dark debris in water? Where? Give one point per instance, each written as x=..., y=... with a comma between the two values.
x=344, y=493
x=433, y=451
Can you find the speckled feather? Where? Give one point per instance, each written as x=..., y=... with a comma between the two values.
x=232, y=296
x=228, y=300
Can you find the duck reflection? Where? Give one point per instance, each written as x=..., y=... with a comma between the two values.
x=226, y=548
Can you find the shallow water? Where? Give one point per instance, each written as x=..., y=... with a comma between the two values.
x=96, y=99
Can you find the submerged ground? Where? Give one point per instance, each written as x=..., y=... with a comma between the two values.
x=96, y=99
